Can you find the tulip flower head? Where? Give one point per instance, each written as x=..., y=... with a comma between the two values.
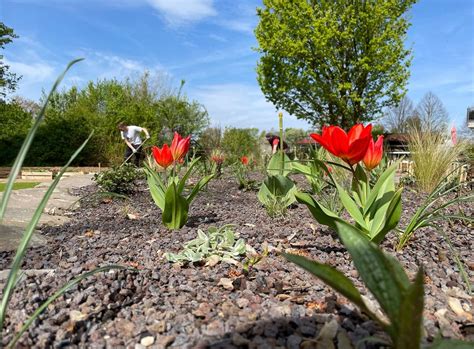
x=350, y=147
x=163, y=156
x=374, y=154
x=179, y=146
x=217, y=156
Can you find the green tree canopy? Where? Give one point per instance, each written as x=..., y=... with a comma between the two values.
x=8, y=80
x=333, y=61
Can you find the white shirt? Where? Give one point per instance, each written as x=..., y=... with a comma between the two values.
x=132, y=135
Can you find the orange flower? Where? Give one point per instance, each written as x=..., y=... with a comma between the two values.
x=350, y=147
x=374, y=154
x=179, y=146
x=244, y=160
x=162, y=156
x=217, y=156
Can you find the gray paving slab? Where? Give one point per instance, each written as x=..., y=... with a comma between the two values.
x=23, y=204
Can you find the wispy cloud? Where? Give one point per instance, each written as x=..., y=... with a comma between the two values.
x=240, y=104
x=179, y=12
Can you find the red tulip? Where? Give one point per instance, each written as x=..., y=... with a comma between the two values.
x=350, y=147
x=162, y=156
x=179, y=146
x=374, y=154
x=244, y=160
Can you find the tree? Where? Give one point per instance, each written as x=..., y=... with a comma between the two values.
x=432, y=114
x=8, y=80
x=397, y=118
x=333, y=62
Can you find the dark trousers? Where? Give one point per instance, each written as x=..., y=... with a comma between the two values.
x=137, y=157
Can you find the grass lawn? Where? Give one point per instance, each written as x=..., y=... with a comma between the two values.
x=20, y=185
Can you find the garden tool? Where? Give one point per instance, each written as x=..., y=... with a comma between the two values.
x=133, y=153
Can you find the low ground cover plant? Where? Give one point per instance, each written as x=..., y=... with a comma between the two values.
x=218, y=244
x=167, y=187
x=118, y=179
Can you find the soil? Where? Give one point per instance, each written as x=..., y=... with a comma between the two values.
x=275, y=305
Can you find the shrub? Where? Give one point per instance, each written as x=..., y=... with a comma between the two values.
x=238, y=142
x=119, y=179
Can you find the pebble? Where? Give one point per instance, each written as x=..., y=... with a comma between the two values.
x=147, y=341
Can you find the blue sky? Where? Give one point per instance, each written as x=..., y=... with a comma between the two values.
x=208, y=43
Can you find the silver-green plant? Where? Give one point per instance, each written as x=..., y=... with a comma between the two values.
x=13, y=275
x=219, y=244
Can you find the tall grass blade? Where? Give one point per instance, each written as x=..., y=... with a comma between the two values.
x=55, y=296
x=15, y=170
x=20, y=253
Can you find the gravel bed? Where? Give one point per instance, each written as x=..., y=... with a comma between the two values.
x=274, y=305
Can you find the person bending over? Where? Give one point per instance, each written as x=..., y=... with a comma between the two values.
x=131, y=136
x=275, y=143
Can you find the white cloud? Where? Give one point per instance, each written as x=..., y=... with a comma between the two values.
x=33, y=72
x=177, y=12
x=240, y=105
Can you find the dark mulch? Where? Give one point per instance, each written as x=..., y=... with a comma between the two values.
x=275, y=305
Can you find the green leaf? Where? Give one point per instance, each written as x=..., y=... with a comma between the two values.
x=411, y=316
x=319, y=212
x=157, y=188
x=275, y=165
x=360, y=186
x=198, y=187
x=22, y=247
x=386, y=176
x=332, y=277
x=278, y=185
x=175, y=214
x=374, y=268
x=20, y=158
x=183, y=180
x=391, y=217
x=352, y=208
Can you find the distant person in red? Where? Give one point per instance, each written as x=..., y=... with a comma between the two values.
x=275, y=143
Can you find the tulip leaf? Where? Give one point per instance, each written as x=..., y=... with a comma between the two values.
x=275, y=165
x=279, y=185
x=176, y=209
x=319, y=212
x=360, y=186
x=157, y=188
x=385, y=176
x=188, y=172
x=391, y=218
x=351, y=207
x=332, y=277
x=411, y=316
x=374, y=268
x=198, y=187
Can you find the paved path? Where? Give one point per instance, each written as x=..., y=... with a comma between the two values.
x=23, y=203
